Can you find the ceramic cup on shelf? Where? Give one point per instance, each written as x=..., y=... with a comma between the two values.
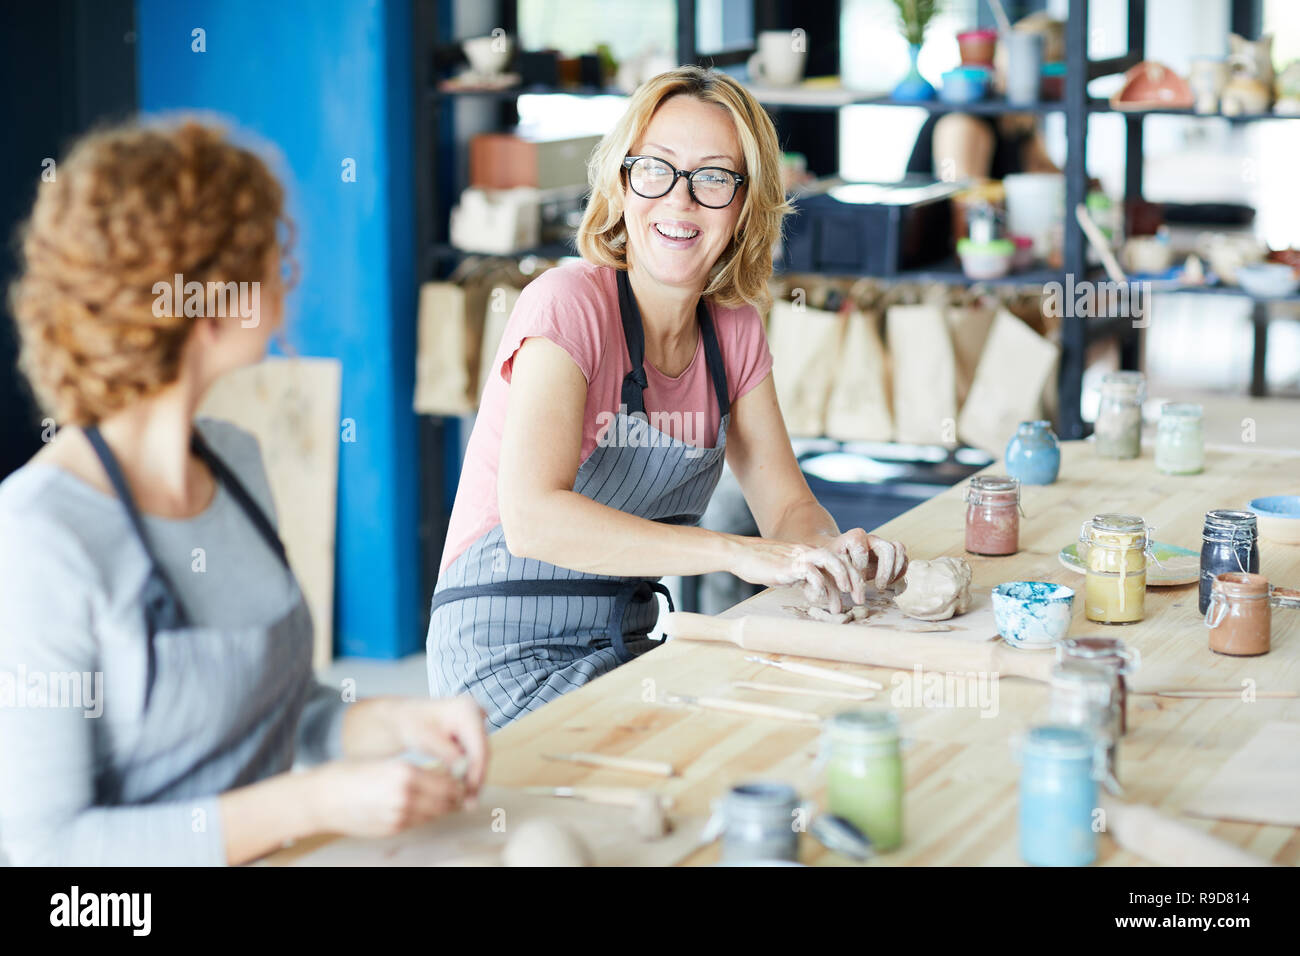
x=1024, y=66
x=488, y=55
x=1033, y=454
x=779, y=60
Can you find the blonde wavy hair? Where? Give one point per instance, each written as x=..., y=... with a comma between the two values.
x=742, y=271
x=131, y=206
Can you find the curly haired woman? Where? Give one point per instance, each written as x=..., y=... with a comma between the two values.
x=624, y=380
x=156, y=705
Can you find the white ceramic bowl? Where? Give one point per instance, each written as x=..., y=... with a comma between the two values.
x=1032, y=614
x=487, y=56
x=1278, y=518
x=1267, y=280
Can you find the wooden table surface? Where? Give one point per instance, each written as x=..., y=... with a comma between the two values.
x=960, y=805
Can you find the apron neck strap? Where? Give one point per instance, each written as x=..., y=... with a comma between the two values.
x=123, y=491
x=635, y=382
x=237, y=491
x=163, y=609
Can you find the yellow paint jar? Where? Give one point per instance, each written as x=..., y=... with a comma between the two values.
x=1114, y=549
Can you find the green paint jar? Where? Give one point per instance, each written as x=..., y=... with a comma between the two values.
x=864, y=774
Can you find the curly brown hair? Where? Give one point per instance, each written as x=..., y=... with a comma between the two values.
x=129, y=207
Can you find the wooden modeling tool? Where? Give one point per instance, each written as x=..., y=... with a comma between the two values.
x=812, y=670
x=655, y=768
x=803, y=691
x=745, y=707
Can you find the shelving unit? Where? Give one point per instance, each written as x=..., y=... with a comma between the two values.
x=812, y=128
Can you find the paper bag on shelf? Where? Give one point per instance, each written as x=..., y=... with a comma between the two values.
x=858, y=407
x=805, y=347
x=925, y=374
x=501, y=299
x=448, y=342
x=969, y=326
x=1013, y=371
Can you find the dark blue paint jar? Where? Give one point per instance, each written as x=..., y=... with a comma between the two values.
x=1229, y=542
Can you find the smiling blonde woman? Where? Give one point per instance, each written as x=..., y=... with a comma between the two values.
x=624, y=382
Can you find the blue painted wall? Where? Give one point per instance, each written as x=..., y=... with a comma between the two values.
x=327, y=80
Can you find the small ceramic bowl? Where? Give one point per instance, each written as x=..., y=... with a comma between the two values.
x=986, y=260
x=966, y=84
x=1267, y=280
x=1032, y=614
x=1278, y=518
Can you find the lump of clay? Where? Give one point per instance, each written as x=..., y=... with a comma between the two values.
x=936, y=590
x=545, y=843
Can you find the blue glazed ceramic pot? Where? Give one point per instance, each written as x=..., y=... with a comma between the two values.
x=1033, y=454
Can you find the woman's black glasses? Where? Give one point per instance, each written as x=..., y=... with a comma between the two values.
x=712, y=186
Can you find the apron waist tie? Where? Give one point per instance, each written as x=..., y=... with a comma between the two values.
x=623, y=593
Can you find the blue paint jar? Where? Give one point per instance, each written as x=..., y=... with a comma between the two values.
x=1058, y=796
x=1229, y=543
x=1033, y=454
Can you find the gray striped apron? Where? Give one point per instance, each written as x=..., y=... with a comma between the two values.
x=517, y=632
x=213, y=708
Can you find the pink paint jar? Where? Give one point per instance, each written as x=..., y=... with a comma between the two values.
x=993, y=515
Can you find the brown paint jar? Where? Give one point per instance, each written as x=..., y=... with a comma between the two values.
x=993, y=515
x=1239, y=616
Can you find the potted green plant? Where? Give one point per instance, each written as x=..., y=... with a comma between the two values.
x=914, y=18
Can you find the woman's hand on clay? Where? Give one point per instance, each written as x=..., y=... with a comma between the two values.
x=373, y=798
x=870, y=559
x=821, y=573
x=451, y=729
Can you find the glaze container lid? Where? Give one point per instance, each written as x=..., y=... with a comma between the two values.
x=1100, y=649
x=1124, y=382
x=863, y=726
x=1059, y=742
x=1240, y=584
x=994, y=487
x=761, y=798
x=1229, y=522
x=1181, y=411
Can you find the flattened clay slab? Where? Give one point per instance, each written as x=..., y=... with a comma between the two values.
x=976, y=624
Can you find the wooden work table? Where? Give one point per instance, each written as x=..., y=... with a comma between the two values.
x=961, y=777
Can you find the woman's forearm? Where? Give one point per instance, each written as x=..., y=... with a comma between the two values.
x=805, y=522
x=263, y=816
x=367, y=731
x=573, y=531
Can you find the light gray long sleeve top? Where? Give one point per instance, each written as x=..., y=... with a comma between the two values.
x=71, y=575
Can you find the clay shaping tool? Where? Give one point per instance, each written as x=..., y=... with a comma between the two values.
x=803, y=691
x=744, y=707
x=654, y=768
x=773, y=635
x=812, y=670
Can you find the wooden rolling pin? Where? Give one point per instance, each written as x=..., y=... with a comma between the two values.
x=840, y=642
x=1153, y=836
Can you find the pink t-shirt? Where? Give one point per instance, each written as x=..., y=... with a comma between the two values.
x=576, y=306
